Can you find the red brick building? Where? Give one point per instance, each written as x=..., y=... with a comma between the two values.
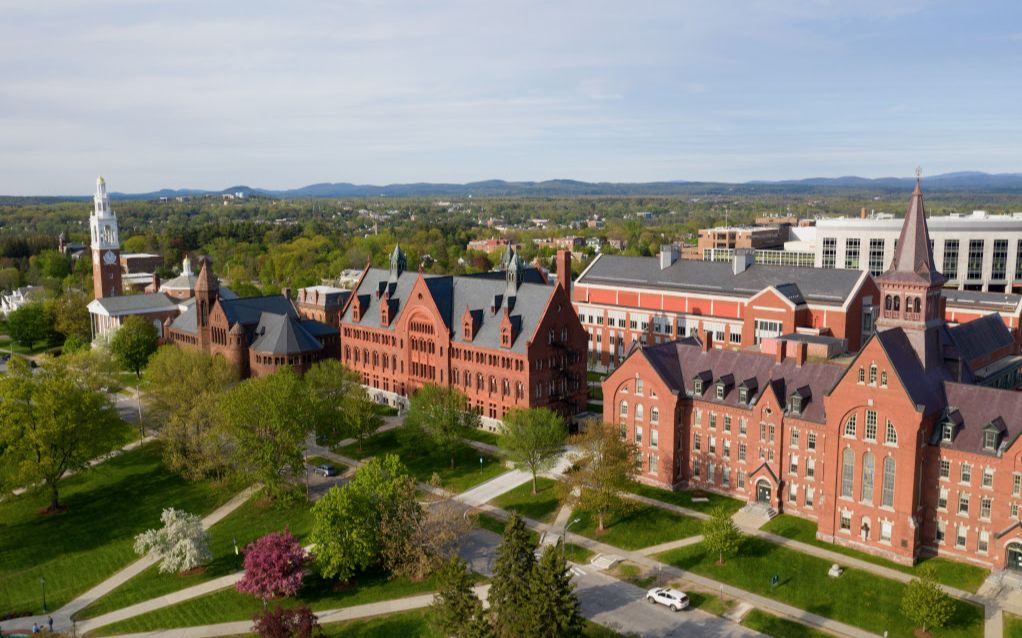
x=506, y=339
x=908, y=449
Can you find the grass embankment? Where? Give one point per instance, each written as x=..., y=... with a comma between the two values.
x=541, y=507
x=106, y=507
x=948, y=572
x=684, y=498
x=643, y=526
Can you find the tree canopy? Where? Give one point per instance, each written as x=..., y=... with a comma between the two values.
x=533, y=437
x=604, y=465
x=439, y=416
x=133, y=343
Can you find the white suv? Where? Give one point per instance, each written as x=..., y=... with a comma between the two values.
x=676, y=600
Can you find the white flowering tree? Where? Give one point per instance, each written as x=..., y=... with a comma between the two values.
x=181, y=544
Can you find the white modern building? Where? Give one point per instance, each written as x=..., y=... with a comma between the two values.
x=979, y=251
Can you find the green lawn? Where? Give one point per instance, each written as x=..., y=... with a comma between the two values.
x=254, y=519
x=643, y=526
x=949, y=572
x=107, y=507
x=857, y=598
x=541, y=507
x=577, y=553
x=416, y=624
x=7, y=345
x=229, y=605
x=466, y=472
x=709, y=603
x=483, y=436
x=1012, y=626
x=777, y=627
x=684, y=498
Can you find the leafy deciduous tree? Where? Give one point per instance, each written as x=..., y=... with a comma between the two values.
x=274, y=566
x=441, y=416
x=181, y=544
x=339, y=405
x=925, y=603
x=286, y=622
x=604, y=465
x=720, y=534
x=133, y=343
x=533, y=437
x=71, y=316
x=29, y=324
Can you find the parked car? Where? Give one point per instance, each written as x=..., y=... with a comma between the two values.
x=670, y=597
x=325, y=470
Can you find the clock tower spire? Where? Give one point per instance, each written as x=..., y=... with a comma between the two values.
x=106, y=247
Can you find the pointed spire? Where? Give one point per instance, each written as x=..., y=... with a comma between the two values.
x=398, y=263
x=913, y=257
x=206, y=280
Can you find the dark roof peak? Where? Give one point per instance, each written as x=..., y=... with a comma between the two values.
x=912, y=255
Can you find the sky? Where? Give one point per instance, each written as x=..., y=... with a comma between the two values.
x=201, y=94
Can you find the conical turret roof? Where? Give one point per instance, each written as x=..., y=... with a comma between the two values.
x=913, y=257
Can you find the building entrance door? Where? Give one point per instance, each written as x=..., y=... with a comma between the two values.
x=763, y=491
x=1015, y=557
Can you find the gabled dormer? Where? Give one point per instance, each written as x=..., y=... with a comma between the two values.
x=356, y=308
x=949, y=426
x=509, y=329
x=993, y=434
x=747, y=391
x=798, y=400
x=723, y=386
x=700, y=382
x=469, y=325
x=385, y=310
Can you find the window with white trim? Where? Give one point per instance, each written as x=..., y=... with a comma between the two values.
x=988, y=477
x=846, y=521
x=727, y=448
x=696, y=441
x=810, y=493
x=810, y=468
x=966, y=473
x=963, y=503
x=793, y=464
x=984, y=507
x=984, y=542
x=941, y=532
x=794, y=437
x=850, y=427
x=654, y=438
x=942, y=499
x=891, y=435
x=727, y=423
x=871, y=425
x=886, y=527
x=741, y=451
x=961, y=537
x=811, y=441
x=945, y=468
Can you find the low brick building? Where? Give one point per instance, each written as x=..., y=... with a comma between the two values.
x=908, y=449
x=506, y=339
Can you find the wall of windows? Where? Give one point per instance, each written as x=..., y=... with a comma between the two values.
x=852, y=253
x=1000, y=262
x=876, y=256
x=829, y=252
x=974, y=266
x=951, y=258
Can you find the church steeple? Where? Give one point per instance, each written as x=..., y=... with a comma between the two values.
x=910, y=289
x=106, y=246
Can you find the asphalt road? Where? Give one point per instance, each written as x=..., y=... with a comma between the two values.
x=614, y=603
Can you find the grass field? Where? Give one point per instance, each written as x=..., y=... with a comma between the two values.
x=857, y=598
x=254, y=519
x=953, y=573
x=107, y=507
x=416, y=624
x=642, y=527
x=710, y=603
x=777, y=627
x=466, y=472
x=541, y=507
x=1012, y=626
x=684, y=498
x=229, y=605
x=483, y=436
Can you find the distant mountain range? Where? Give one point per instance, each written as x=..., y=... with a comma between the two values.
x=959, y=181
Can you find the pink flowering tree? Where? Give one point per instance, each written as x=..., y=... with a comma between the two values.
x=274, y=566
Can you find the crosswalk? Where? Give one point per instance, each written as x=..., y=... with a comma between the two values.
x=577, y=571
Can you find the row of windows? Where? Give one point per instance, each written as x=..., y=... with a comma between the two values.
x=870, y=430
x=965, y=475
x=866, y=482
x=961, y=539
x=873, y=376
x=654, y=412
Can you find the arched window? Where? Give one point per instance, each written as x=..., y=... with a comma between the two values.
x=887, y=492
x=850, y=426
x=887, y=302
x=916, y=305
x=654, y=415
x=872, y=374
x=638, y=412
x=883, y=378
x=866, y=494
x=623, y=410
x=897, y=304
x=847, y=472
x=891, y=435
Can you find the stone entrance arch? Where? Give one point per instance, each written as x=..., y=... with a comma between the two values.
x=1013, y=556
x=763, y=490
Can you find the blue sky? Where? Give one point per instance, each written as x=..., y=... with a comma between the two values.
x=282, y=94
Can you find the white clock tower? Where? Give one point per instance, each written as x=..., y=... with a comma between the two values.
x=106, y=247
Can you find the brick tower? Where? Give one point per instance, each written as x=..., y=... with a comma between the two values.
x=106, y=247
x=207, y=291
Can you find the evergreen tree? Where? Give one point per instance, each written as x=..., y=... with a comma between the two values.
x=457, y=611
x=554, y=610
x=512, y=574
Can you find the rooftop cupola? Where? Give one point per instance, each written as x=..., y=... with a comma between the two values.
x=398, y=263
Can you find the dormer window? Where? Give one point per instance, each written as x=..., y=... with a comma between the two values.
x=720, y=390
x=948, y=433
x=743, y=395
x=697, y=385
x=795, y=405
x=990, y=439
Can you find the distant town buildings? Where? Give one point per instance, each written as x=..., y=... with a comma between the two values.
x=488, y=246
x=14, y=299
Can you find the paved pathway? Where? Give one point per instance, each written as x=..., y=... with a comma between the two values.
x=494, y=487
x=62, y=616
x=669, y=545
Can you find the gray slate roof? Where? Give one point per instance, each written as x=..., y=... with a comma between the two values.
x=978, y=406
x=136, y=304
x=283, y=334
x=247, y=310
x=186, y=321
x=453, y=294
x=680, y=362
x=820, y=285
x=981, y=336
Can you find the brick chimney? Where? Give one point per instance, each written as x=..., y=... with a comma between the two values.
x=801, y=351
x=780, y=351
x=564, y=270
x=707, y=340
x=862, y=213
x=286, y=293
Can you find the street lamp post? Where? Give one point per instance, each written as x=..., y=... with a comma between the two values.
x=42, y=583
x=480, y=465
x=564, y=541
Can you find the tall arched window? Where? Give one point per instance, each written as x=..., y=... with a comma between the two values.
x=638, y=412
x=916, y=305
x=654, y=415
x=887, y=491
x=847, y=472
x=872, y=374
x=850, y=426
x=623, y=410
x=887, y=302
x=897, y=304
x=866, y=494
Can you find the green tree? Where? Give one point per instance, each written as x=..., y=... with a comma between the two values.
x=604, y=465
x=51, y=423
x=555, y=610
x=925, y=603
x=193, y=444
x=340, y=406
x=266, y=418
x=440, y=416
x=9, y=278
x=533, y=437
x=133, y=343
x=346, y=521
x=720, y=534
x=53, y=264
x=30, y=324
x=512, y=574
x=71, y=316
x=456, y=610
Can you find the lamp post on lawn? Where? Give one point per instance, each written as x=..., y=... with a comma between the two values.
x=42, y=584
x=564, y=541
x=480, y=465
